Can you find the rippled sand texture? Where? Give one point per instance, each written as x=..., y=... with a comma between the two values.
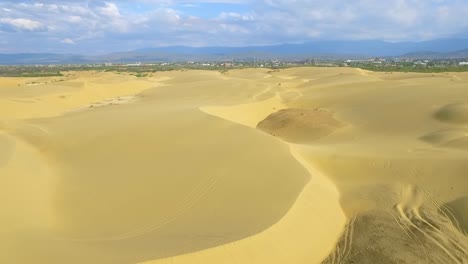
x=304, y=165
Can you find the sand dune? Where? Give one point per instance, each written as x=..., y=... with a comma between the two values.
x=453, y=113
x=448, y=138
x=304, y=165
x=300, y=125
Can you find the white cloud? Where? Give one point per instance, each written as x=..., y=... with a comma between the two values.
x=118, y=24
x=74, y=19
x=235, y=16
x=68, y=41
x=405, y=13
x=23, y=24
x=185, y=2
x=110, y=10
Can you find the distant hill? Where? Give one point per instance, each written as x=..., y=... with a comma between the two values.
x=363, y=48
x=442, y=48
x=41, y=58
x=460, y=54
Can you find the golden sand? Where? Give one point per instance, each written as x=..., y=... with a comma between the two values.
x=304, y=165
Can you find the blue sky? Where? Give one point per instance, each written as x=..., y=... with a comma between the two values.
x=96, y=27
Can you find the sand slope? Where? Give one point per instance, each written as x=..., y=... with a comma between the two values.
x=304, y=165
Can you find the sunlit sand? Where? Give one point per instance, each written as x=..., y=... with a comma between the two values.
x=301, y=165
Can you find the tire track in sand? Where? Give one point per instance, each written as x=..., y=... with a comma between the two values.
x=195, y=195
x=409, y=211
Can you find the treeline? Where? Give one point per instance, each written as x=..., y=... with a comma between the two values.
x=409, y=67
x=145, y=70
x=138, y=71
x=9, y=71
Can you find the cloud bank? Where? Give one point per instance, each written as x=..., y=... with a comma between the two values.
x=94, y=26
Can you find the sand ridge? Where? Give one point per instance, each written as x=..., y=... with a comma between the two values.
x=47, y=96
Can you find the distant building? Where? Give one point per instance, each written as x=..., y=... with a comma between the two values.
x=108, y=64
x=275, y=63
x=420, y=63
x=377, y=60
x=463, y=63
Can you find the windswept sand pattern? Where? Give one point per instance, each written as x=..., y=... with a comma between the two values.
x=414, y=216
x=344, y=247
x=457, y=211
x=419, y=232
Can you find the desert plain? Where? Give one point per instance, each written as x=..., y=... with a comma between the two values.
x=299, y=165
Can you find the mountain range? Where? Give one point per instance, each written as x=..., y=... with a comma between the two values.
x=434, y=49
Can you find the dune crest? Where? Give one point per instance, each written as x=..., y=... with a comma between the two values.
x=332, y=218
